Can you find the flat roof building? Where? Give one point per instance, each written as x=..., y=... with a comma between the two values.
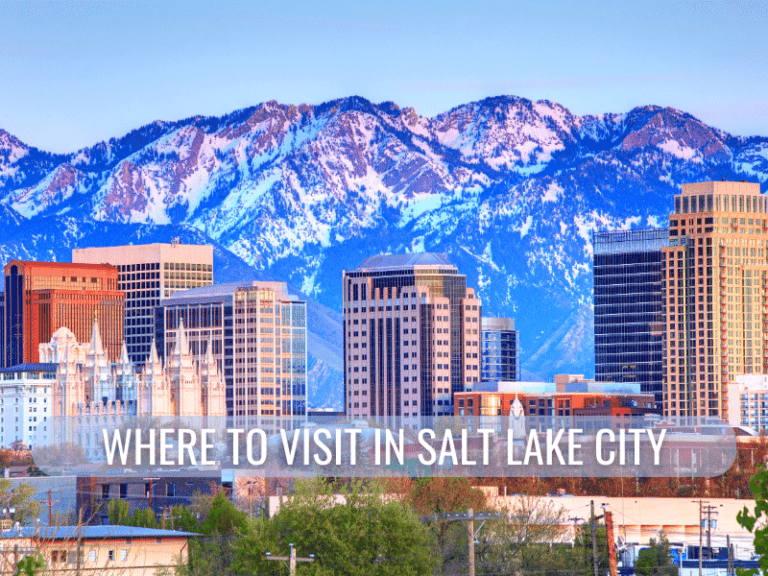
x=629, y=322
x=258, y=335
x=41, y=297
x=412, y=336
x=500, y=349
x=147, y=273
x=714, y=289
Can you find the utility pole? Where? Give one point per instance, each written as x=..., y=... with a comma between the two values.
x=469, y=516
x=471, y=546
x=709, y=510
x=611, y=543
x=574, y=519
x=292, y=559
x=701, y=538
x=594, y=540
x=50, y=506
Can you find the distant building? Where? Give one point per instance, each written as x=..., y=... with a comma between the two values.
x=257, y=335
x=25, y=403
x=556, y=405
x=41, y=297
x=714, y=292
x=629, y=319
x=412, y=336
x=161, y=493
x=748, y=402
x=147, y=273
x=500, y=350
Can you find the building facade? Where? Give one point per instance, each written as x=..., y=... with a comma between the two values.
x=748, y=402
x=25, y=403
x=714, y=290
x=257, y=335
x=40, y=297
x=148, y=273
x=588, y=405
x=78, y=390
x=412, y=336
x=629, y=321
x=500, y=350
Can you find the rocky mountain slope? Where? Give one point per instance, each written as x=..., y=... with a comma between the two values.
x=511, y=189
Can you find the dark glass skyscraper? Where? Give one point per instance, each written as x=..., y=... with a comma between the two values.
x=629, y=320
x=500, y=350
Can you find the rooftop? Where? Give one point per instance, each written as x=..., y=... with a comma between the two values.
x=31, y=367
x=90, y=532
x=221, y=291
x=392, y=261
x=67, y=265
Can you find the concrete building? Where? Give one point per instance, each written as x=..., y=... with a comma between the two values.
x=257, y=334
x=40, y=297
x=412, y=336
x=147, y=273
x=25, y=402
x=629, y=322
x=748, y=402
x=500, y=350
x=715, y=285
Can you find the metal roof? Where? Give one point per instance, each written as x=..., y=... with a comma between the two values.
x=390, y=261
x=32, y=367
x=91, y=532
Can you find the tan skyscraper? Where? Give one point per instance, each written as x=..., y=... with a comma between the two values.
x=715, y=286
x=412, y=336
x=149, y=272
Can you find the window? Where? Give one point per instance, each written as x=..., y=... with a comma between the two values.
x=111, y=555
x=92, y=556
x=123, y=554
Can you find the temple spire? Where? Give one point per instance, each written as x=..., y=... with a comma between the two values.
x=97, y=348
x=182, y=347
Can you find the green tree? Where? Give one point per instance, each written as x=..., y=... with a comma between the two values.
x=656, y=560
x=22, y=499
x=30, y=565
x=119, y=512
x=758, y=485
x=224, y=518
x=433, y=499
x=361, y=534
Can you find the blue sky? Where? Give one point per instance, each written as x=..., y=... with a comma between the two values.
x=73, y=73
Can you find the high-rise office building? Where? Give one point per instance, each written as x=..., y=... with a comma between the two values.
x=500, y=350
x=148, y=273
x=411, y=336
x=715, y=286
x=41, y=297
x=629, y=322
x=258, y=334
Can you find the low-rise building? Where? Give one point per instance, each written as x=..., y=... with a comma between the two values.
x=748, y=402
x=562, y=404
x=118, y=550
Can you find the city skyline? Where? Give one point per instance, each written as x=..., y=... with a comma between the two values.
x=117, y=66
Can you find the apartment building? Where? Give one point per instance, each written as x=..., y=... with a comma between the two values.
x=147, y=273
x=412, y=336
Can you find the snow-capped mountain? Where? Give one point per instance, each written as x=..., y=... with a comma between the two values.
x=511, y=189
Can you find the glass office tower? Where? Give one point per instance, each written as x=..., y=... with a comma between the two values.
x=629, y=318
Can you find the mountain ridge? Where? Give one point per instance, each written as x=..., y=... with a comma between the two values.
x=509, y=188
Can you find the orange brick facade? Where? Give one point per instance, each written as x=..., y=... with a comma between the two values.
x=41, y=297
